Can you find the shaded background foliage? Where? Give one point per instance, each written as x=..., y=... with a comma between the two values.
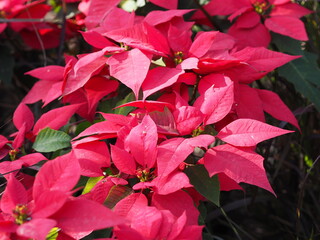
x=291, y=161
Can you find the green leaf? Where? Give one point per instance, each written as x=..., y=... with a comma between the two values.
x=203, y=213
x=49, y=140
x=125, y=110
x=304, y=72
x=6, y=65
x=107, y=106
x=206, y=186
x=287, y=45
x=91, y=183
x=82, y=126
x=304, y=76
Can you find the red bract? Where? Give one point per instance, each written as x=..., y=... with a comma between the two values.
x=169, y=4
x=165, y=94
x=163, y=219
x=130, y=68
x=139, y=154
x=89, y=96
x=239, y=164
x=86, y=67
x=4, y=148
x=54, y=181
x=23, y=120
x=155, y=167
x=48, y=88
x=254, y=19
x=93, y=157
x=97, y=10
x=215, y=103
x=273, y=105
x=252, y=103
x=7, y=167
x=55, y=118
x=247, y=65
x=159, y=78
x=141, y=36
x=174, y=151
x=248, y=132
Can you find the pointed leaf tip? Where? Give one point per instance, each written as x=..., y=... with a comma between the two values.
x=249, y=132
x=238, y=163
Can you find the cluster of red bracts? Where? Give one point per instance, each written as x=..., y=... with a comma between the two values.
x=188, y=93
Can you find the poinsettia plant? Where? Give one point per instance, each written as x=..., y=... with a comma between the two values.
x=157, y=118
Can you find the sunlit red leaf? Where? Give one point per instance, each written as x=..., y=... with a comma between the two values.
x=157, y=17
x=209, y=65
x=49, y=73
x=239, y=164
x=126, y=206
x=37, y=228
x=171, y=183
x=96, y=40
x=273, y=105
x=289, y=9
x=174, y=151
x=165, y=122
x=117, y=18
x=14, y=194
x=248, y=103
x=80, y=215
x=226, y=183
x=215, y=103
x=149, y=105
x=142, y=141
x=159, y=78
x=23, y=115
x=130, y=68
x=92, y=157
x=102, y=128
x=123, y=160
x=187, y=119
x=60, y=174
x=142, y=36
x=177, y=203
x=249, y=132
x=44, y=208
x=97, y=10
x=46, y=91
x=259, y=61
x=55, y=118
x=169, y=4
x=257, y=36
x=83, y=70
x=289, y=26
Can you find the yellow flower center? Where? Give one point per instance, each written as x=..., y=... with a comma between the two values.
x=196, y=132
x=144, y=175
x=21, y=214
x=125, y=46
x=261, y=7
x=13, y=154
x=178, y=57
